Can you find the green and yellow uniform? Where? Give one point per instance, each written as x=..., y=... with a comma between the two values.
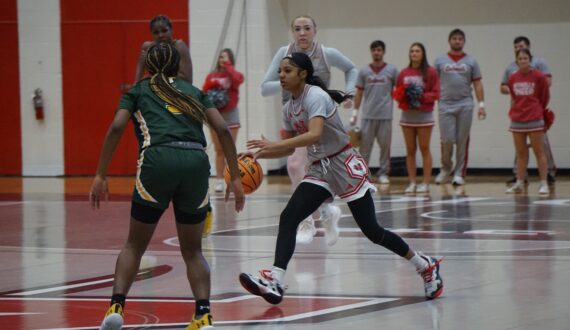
x=172, y=163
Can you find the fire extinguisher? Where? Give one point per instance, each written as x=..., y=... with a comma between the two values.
x=38, y=104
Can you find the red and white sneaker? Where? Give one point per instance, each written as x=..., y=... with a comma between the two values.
x=263, y=285
x=433, y=284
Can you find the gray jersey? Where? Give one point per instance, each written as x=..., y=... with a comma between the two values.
x=455, y=78
x=328, y=57
x=537, y=63
x=315, y=102
x=377, y=86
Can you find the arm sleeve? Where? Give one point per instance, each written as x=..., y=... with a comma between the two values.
x=360, y=79
x=432, y=93
x=343, y=63
x=270, y=84
x=545, y=97
x=235, y=76
x=476, y=71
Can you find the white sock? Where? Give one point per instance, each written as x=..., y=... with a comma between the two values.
x=277, y=274
x=543, y=183
x=520, y=182
x=419, y=262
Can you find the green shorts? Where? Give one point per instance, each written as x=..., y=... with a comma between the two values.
x=167, y=174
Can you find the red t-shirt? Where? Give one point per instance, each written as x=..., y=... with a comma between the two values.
x=230, y=79
x=430, y=85
x=530, y=95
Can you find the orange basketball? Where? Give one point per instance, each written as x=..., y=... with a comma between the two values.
x=250, y=172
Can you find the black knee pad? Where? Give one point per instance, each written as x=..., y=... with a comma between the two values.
x=145, y=214
x=186, y=218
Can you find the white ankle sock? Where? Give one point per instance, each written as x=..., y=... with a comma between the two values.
x=419, y=262
x=543, y=183
x=277, y=274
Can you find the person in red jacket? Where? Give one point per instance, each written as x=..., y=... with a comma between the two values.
x=529, y=99
x=417, y=89
x=222, y=86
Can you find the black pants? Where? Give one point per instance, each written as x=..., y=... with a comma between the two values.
x=306, y=199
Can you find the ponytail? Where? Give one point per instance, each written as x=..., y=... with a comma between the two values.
x=303, y=62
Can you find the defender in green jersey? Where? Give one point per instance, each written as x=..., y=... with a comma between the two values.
x=168, y=114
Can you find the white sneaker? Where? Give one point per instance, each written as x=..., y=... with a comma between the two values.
x=441, y=177
x=306, y=231
x=219, y=187
x=543, y=189
x=263, y=285
x=330, y=222
x=458, y=181
x=514, y=189
x=383, y=179
x=422, y=188
x=411, y=188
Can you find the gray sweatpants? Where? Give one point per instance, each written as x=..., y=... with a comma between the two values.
x=454, y=128
x=381, y=130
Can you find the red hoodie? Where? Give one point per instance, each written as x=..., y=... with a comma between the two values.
x=230, y=78
x=529, y=94
x=430, y=85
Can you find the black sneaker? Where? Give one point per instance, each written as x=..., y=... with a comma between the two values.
x=263, y=285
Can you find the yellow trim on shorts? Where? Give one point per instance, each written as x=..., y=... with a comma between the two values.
x=138, y=184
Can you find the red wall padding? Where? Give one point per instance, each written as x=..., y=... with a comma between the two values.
x=100, y=46
x=11, y=141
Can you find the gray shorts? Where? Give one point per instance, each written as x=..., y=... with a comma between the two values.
x=345, y=175
x=231, y=118
x=530, y=126
x=416, y=118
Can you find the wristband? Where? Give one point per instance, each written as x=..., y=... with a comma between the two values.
x=354, y=112
x=481, y=104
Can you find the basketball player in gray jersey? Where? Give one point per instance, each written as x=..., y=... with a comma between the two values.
x=539, y=64
x=457, y=72
x=375, y=82
x=304, y=29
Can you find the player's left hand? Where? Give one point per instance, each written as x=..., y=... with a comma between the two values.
x=98, y=190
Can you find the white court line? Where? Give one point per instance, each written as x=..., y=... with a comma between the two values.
x=430, y=215
x=18, y=314
x=280, y=319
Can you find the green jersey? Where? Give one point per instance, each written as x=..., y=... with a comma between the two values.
x=157, y=122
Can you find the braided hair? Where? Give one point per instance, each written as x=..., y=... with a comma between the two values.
x=303, y=62
x=161, y=19
x=162, y=61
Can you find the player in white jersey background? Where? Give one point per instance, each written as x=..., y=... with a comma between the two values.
x=374, y=84
x=539, y=64
x=457, y=72
x=304, y=30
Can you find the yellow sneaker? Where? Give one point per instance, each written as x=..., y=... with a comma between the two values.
x=203, y=323
x=207, y=224
x=114, y=318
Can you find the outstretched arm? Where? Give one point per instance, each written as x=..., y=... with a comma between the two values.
x=218, y=124
x=112, y=138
